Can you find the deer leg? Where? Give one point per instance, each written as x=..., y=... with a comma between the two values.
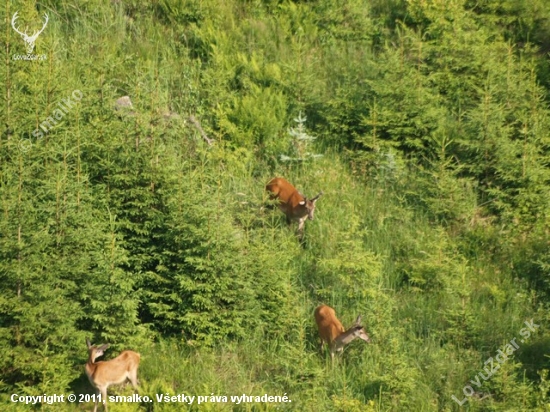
x=332, y=350
x=321, y=344
x=96, y=401
x=133, y=379
x=104, y=398
x=300, y=232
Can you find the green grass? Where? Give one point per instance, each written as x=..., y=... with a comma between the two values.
x=438, y=297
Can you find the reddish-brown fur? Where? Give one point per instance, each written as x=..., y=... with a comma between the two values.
x=291, y=202
x=333, y=333
x=329, y=325
x=103, y=374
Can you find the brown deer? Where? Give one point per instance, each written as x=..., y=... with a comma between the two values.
x=103, y=374
x=292, y=203
x=333, y=333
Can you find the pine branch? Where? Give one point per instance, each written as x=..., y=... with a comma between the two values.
x=197, y=125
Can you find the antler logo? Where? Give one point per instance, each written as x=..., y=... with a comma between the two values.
x=29, y=39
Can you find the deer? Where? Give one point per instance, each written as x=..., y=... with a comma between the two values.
x=292, y=203
x=103, y=374
x=333, y=333
x=30, y=40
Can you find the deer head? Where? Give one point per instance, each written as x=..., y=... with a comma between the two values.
x=103, y=374
x=30, y=40
x=333, y=333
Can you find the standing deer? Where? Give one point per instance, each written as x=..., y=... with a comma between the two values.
x=292, y=203
x=30, y=40
x=333, y=333
x=103, y=374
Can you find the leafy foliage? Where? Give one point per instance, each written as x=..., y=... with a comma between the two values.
x=428, y=123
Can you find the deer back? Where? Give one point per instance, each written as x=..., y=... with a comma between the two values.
x=328, y=324
x=111, y=372
x=291, y=202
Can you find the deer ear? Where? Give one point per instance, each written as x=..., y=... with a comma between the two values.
x=88, y=343
x=317, y=197
x=104, y=347
x=358, y=320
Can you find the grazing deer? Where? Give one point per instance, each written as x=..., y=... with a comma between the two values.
x=103, y=374
x=29, y=40
x=292, y=203
x=333, y=333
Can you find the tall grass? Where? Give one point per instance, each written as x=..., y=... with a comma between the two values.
x=436, y=300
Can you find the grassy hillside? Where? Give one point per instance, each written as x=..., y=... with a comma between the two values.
x=148, y=227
